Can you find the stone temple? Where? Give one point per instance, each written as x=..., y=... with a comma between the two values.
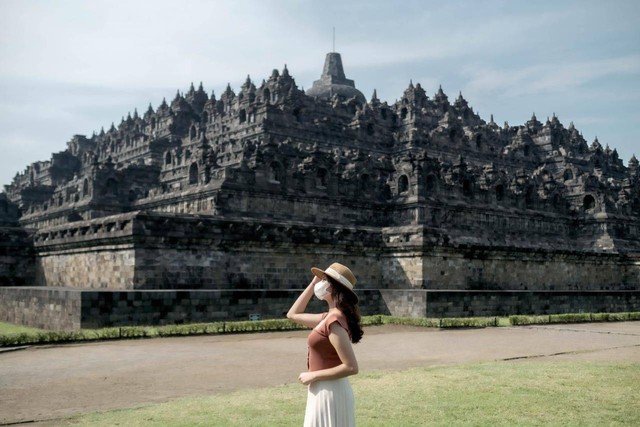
x=213, y=208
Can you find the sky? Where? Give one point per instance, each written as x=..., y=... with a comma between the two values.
x=72, y=67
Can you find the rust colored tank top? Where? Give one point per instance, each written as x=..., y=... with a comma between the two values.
x=322, y=354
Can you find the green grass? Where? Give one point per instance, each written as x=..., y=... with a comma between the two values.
x=9, y=329
x=525, y=393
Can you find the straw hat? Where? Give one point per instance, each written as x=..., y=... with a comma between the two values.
x=340, y=273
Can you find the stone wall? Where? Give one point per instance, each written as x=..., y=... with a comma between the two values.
x=16, y=248
x=101, y=309
x=165, y=251
x=153, y=268
x=70, y=309
x=41, y=307
x=16, y=257
x=404, y=303
x=244, y=267
x=435, y=303
x=106, y=267
x=87, y=254
x=501, y=303
x=480, y=268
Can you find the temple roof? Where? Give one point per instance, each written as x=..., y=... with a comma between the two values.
x=334, y=82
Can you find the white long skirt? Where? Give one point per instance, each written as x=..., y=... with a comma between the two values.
x=330, y=404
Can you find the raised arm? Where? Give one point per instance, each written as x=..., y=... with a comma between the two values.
x=296, y=312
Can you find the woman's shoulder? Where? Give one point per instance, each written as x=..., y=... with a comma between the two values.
x=335, y=313
x=336, y=316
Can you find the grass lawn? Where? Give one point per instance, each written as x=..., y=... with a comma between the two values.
x=522, y=393
x=9, y=329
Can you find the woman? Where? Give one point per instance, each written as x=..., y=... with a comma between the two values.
x=331, y=359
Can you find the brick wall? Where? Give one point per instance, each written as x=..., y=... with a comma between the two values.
x=438, y=303
x=164, y=251
x=477, y=268
x=110, y=266
x=16, y=257
x=69, y=309
x=41, y=307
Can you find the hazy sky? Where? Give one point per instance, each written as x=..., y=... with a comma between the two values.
x=72, y=67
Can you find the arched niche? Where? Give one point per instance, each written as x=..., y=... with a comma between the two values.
x=403, y=184
x=588, y=202
x=499, y=192
x=467, y=188
x=275, y=172
x=430, y=183
x=193, y=174
x=322, y=178
x=111, y=187
x=365, y=183
x=529, y=197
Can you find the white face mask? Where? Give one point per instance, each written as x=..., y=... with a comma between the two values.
x=321, y=289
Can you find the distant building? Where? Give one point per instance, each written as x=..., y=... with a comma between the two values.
x=245, y=191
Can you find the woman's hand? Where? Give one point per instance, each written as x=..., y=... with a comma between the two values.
x=315, y=280
x=307, y=378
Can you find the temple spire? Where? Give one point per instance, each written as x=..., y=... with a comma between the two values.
x=334, y=81
x=334, y=40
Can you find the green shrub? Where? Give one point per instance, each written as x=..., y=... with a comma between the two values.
x=468, y=322
x=375, y=320
x=609, y=317
x=135, y=332
x=279, y=325
x=190, y=329
x=634, y=315
x=261, y=326
x=570, y=318
x=15, y=339
x=105, y=333
x=528, y=320
x=49, y=337
x=411, y=321
x=616, y=317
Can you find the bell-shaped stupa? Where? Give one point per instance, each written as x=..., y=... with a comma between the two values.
x=333, y=82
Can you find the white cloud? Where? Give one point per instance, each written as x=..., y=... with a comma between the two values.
x=138, y=44
x=547, y=78
x=72, y=66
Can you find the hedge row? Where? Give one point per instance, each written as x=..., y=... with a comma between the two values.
x=125, y=332
x=447, y=322
x=573, y=318
x=49, y=337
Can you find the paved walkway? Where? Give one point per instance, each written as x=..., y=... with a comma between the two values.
x=49, y=382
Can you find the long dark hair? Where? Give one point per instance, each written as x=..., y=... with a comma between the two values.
x=347, y=302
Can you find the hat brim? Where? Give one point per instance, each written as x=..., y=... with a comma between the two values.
x=319, y=273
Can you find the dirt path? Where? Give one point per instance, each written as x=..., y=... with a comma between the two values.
x=44, y=383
